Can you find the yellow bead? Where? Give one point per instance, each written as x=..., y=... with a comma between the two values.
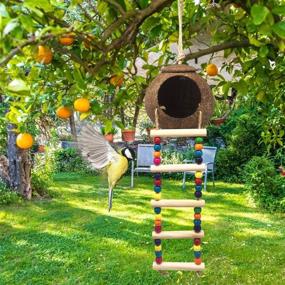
x=198, y=174
x=157, y=196
x=158, y=217
x=157, y=247
x=197, y=248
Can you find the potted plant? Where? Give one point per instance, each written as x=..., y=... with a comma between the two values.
x=128, y=134
x=221, y=113
x=147, y=125
x=109, y=133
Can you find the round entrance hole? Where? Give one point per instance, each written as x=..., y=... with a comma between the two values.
x=179, y=96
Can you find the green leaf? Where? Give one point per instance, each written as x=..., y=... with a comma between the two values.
x=27, y=22
x=40, y=4
x=263, y=51
x=3, y=11
x=259, y=14
x=279, y=29
x=79, y=79
x=280, y=10
x=18, y=86
x=10, y=26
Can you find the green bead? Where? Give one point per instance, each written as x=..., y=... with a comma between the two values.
x=199, y=140
x=197, y=210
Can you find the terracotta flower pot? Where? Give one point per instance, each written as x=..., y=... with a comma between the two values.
x=109, y=138
x=128, y=135
x=218, y=122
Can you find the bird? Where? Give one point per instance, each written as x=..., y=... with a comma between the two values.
x=101, y=155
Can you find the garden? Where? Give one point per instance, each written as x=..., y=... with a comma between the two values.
x=87, y=87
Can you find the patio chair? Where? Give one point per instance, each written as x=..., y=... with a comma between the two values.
x=209, y=154
x=144, y=160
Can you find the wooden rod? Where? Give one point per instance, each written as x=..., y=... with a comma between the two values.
x=177, y=235
x=185, y=266
x=177, y=203
x=177, y=167
x=175, y=133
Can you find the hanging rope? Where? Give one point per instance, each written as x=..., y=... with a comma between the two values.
x=181, y=54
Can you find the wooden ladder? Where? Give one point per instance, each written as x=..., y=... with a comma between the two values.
x=157, y=169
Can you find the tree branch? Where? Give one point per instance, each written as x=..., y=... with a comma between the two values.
x=220, y=47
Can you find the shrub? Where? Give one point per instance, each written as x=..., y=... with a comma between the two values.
x=70, y=160
x=7, y=196
x=263, y=184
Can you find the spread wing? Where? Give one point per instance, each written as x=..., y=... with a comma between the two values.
x=95, y=148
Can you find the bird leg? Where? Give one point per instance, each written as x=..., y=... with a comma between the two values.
x=110, y=198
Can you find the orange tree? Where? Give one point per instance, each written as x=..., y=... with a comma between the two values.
x=54, y=52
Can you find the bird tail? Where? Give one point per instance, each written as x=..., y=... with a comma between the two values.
x=110, y=198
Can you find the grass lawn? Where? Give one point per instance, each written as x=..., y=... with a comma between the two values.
x=72, y=239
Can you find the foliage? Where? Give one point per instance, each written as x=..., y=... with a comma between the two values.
x=70, y=160
x=264, y=185
x=7, y=196
x=75, y=234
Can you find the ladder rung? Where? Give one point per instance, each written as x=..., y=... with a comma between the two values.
x=177, y=235
x=177, y=203
x=177, y=167
x=176, y=133
x=185, y=266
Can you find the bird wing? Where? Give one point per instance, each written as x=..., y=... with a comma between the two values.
x=95, y=148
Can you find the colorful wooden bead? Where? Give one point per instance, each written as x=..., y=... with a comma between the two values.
x=199, y=160
x=198, y=187
x=157, y=247
x=198, y=194
x=199, y=140
x=156, y=154
x=197, y=229
x=157, y=161
x=157, y=196
x=198, y=261
x=157, y=229
x=198, y=153
x=198, y=174
x=157, y=182
x=157, y=210
x=157, y=147
x=157, y=222
x=158, y=217
x=157, y=140
x=197, y=222
x=157, y=189
x=157, y=176
x=198, y=146
x=158, y=253
x=197, y=241
x=158, y=260
x=197, y=216
x=198, y=181
x=197, y=254
x=197, y=247
x=157, y=241
x=197, y=210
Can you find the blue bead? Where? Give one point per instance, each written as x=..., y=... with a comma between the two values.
x=197, y=222
x=158, y=253
x=157, y=176
x=198, y=187
x=198, y=153
x=157, y=147
x=197, y=254
x=157, y=210
x=157, y=241
x=157, y=189
x=197, y=229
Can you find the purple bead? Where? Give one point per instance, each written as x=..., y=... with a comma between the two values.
x=157, y=242
x=199, y=160
x=198, y=194
x=197, y=228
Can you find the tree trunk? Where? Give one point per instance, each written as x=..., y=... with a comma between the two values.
x=19, y=166
x=72, y=127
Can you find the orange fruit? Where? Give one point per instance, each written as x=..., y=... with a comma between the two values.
x=82, y=105
x=212, y=69
x=117, y=80
x=67, y=39
x=44, y=54
x=88, y=41
x=24, y=140
x=63, y=112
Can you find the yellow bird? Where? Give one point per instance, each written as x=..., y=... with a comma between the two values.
x=99, y=153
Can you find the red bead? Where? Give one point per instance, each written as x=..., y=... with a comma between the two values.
x=198, y=181
x=157, y=182
x=157, y=161
x=197, y=241
x=197, y=216
x=158, y=260
x=198, y=261
x=157, y=140
x=157, y=229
